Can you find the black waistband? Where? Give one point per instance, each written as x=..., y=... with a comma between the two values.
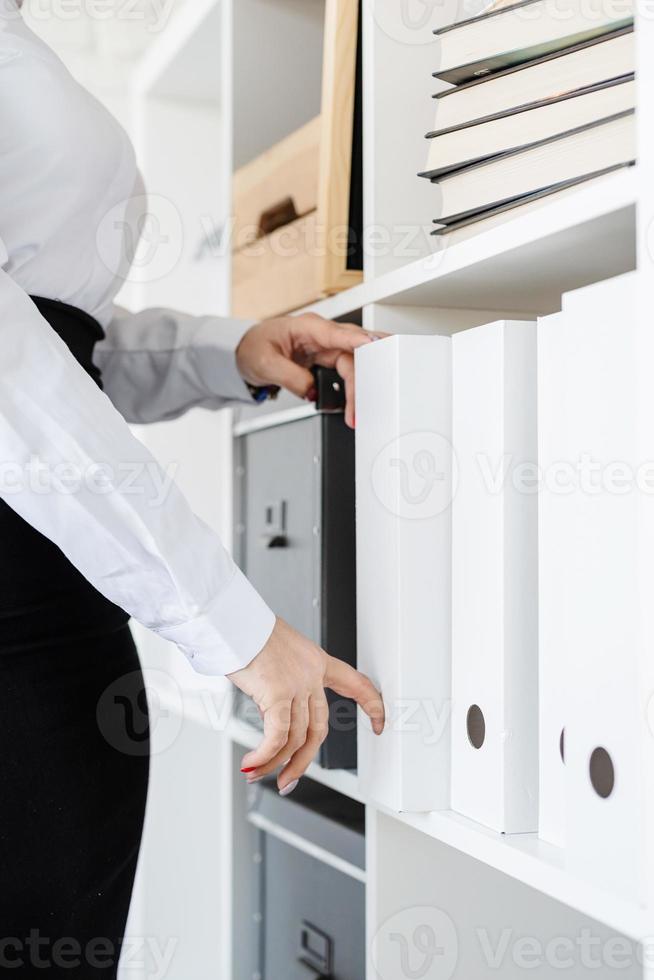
x=78, y=330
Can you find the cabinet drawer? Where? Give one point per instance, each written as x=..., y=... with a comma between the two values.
x=282, y=181
x=278, y=273
x=295, y=541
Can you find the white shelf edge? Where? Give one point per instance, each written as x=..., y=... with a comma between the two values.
x=341, y=780
x=522, y=857
x=608, y=195
x=307, y=847
x=341, y=304
x=181, y=27
x=273, y=419
x=593, y=200
x=525, y=858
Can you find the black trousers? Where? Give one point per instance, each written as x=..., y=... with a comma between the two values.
x=74, y=759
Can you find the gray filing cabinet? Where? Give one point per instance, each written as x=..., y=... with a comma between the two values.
x=295, y=540
x=311, y=914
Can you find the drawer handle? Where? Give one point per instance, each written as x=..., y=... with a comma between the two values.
x=277, y=541
x=275, y=525
x=277, y=215
x=316, y=952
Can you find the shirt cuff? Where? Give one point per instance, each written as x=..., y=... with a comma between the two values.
x=224, y=375
x=229, y=634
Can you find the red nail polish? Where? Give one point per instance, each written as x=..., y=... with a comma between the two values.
x=311, y=395
x=250, y=769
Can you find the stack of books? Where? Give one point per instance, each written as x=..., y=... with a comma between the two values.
x=542, y=98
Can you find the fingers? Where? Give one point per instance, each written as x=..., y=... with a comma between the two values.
x=276, y=728
x=344, y=364
x=287, y=374
x=334, y=336
x=296, y=736
x=307, y=339
x=293, y=738
x=315, y=736
x=345, y=367
x=350, y=683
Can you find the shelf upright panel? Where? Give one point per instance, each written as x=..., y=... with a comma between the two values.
x=645, y=432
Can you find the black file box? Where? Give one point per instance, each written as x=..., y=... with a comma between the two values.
x=295, y=536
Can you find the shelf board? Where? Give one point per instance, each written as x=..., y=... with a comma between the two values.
x=520, y=856
x=265, y=421
x=536, y=864
x=524, y=264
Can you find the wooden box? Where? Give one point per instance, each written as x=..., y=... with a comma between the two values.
x=297, y=230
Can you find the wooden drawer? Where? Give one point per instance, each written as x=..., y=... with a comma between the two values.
x=282, y=181
x=277, y=273
x=293, y=204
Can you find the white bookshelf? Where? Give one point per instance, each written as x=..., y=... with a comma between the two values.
x=246, y=58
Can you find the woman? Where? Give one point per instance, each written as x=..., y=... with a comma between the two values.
x=84, y=547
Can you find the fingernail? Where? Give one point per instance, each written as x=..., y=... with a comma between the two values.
x=249, y=769
x=311, y=395
x=289, y=789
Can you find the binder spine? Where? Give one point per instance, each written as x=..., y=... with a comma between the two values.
x=494, y=577
x=603, y=781
x=554, y=586
x=404, y=486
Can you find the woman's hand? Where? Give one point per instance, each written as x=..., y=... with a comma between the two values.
x=281, y=351
x=287, y=682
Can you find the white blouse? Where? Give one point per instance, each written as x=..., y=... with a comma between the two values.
x=65, y=448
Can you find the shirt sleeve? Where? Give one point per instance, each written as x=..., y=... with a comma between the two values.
x=159, y=363
x=108, y=505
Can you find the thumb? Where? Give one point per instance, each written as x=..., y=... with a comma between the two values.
x=287, y=374
x=350, y=683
